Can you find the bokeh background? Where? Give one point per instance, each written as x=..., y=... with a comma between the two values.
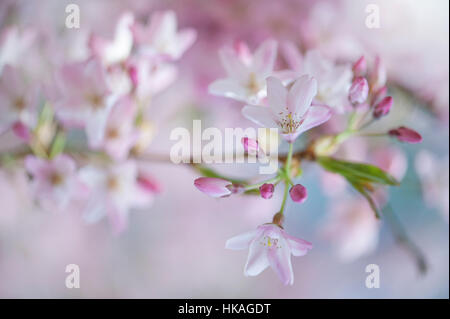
x=176, y=248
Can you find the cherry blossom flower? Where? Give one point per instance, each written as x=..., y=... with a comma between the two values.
x=113, y=191
x=333, y=80
x=82, y=98
x=18, y=100
x=161, y=38
x=120, y=132
x=270, y=245
x=353, y=229
x=298, y=193
x=267, y=190
x=14, y=45
x=246, y=74
x=251, y=146
x=290, y=110
x=55, y=182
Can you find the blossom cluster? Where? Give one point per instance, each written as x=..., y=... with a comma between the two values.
x=103, y=95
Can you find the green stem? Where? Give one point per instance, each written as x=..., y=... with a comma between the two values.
x=258, y=185
x=287, y=177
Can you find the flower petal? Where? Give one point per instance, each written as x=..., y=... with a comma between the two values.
x=260, y=115
x=301, y=94
x=241, y=241
x=257, y=260
x=280, y=261
x=316, y=115
x=299, y=247
x=276, y=94
x=264, y=57
x=228, y=88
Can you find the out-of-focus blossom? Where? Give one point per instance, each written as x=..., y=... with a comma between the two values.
x=14, y=45
x=148, y=182
x=113, y=191
x=270, y=245
x=118, y=49
x=392, y=160
x=55, y=182
x=360, y=67
x=434, y=177
x=120, y=132
x=83, y=98
x=333, y=80
x=358, y=91
x=267, y=190
x=379, y=95
x=383, y=107
x=251, y=146
x=22, y=131
x=214, y=187
x=246, y=74
x=298, y=193
x=352, y=229
x=161, y=38
x=378, y=76
x=407, y=135
x=18, y=100
x=289, y=110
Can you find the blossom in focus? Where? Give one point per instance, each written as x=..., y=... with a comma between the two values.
x=161, y=38
x=290, y=110
x=333, y=80
x=18, y=100
x=298, y=193
x=246, y=73
x=114, y=190
x=120, y=131
x=352, y=229
x=82, y=98
x=55, y=182
x=270, y=245
x=407, y=135
x=434, y=177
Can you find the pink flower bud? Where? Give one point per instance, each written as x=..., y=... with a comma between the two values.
x=358, y=91
x=407, y=135
x=360, y=67
x=21, y=131
x=214, y=187
x=298, y=193
x=133, y=74
x=148, y=183
x=383, y=108
x=379, y=95
x=266, y=190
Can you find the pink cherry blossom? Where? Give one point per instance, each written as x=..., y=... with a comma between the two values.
x=246, y=75
x=383, y=107
x=270, y=245
x=358, y=91
x=214, y=187
x=114, y=191
x=54, y=181
x=82, y=98
x=298, y=193
x=290, y=110
x=333, y=80
x=251, y=146
x=267, y=190
x=118, y=49
x=407, y=135
x=18, y=100
x=120, y=131
x=161, y=38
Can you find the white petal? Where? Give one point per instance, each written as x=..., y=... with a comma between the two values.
x=276, y=94
x=257, y=259
x=280, y=261
x=229, y=88
x=241, y=241
x=301, y=94
x=264, y=58
x=260, y=115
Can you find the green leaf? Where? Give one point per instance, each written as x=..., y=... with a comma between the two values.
x=207, y=172
x=357, y=172
x=58, y=144
x=360, y=188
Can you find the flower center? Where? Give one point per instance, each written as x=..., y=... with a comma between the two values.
x=95, y=100
x=19, y=104
x=252, y=84
x=289, y=124
x=112, y=133
x=112, y=183
x=270, y=242
x=56, y=179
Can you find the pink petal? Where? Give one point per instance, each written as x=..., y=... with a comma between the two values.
x=228, y=88
x=280, y=261
x=241, y=241
x=358, y=91
x=407, y=135
x=299, y=247
x=383, y=108
x=212, y=186
x=257, y=260
x=360, y=67
x=301, y=94
x=260, y=115
x=316, y=115
x=233, y=66
x=276, y=94
x=264, y=57
x=292, y=55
